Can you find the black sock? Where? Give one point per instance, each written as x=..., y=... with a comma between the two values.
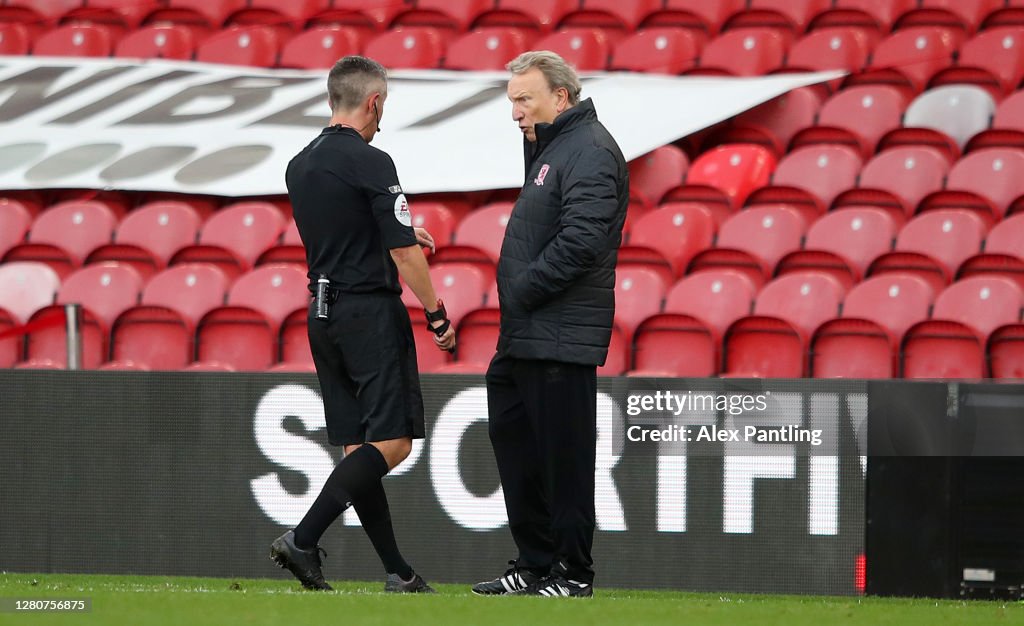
x=375, y=516
x=354, y=476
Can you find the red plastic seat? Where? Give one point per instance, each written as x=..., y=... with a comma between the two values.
x=366, y=16
x=933, y=245
x=667, y=238
x=723, y=178
x=203, y=14
x=619, y=356
x=992, y=60
x=638, y=295
x=657, y=171
x=26, y=287
x=293, y=14
x=1007, y=126
x=237, y=336
x=1003, y=253
x=11, y=347
x=843, y=244
x=437, y=219
x=106, y=290
x=121, y=14
x=241, y=45
x=320, y=47
x=478, y=237
x=294, y=339
x=989, y=182
x=190, y=290
x=830, y=49
x=36, y=14
x=486, y=49
x=419, y=47
x=235, y=236
x=665, y=50
x=611, y=14
x=64, y=234
x=774, y=123
x=148, y=237
x=908, y=58
x=537, y=15
x=698, y=15
x=944, y=117
x=75, y=40
x=810, y=178
x=773, y=341
x=158, y=42
x=895, y=302
x=453, y=15
x=585, y=49
x=1006, y=352
x=872, y=16
x=897, y=180
x=788, y=15
x=275, y=291
x=952, y=343
x=743, y=52
x=753, y=241
x=15, y=39
x=857, y=117
x=15, y=221
x=49, y=343
x=716, y=298
x=462, y=287
x=965, y=15
x=478, y=337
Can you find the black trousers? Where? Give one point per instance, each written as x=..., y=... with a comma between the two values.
x=543, y=427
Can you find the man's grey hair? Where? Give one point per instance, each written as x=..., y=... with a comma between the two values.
x=352, y=80
x=559, y=74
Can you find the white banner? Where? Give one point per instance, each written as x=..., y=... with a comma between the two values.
x=225, y=130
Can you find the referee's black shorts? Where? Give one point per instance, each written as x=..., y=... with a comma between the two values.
x=365, y=358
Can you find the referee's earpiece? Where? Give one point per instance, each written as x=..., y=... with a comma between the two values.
x=377, y=115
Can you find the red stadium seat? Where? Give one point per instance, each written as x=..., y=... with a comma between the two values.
x=753, y=241
x=830, y=49
x=612, y=15
x=773, y=341
x=992, y=60
x=857, y=117
x=1003, y=255
x=452, y=15
x=462, y=287
x=897, y=180
x=952, y=343
x=241, y=45
x=723, y=178
x=364, y=15
x=124, y=366
x=117, y=201
x=843, y=244
x=320, y=47
x=437, y=219
x=698, y=15
x=190, y=290
x=895, y=302
x=657, y=50
x=638, y=295
x=401, y=48
x=585, y=49
x=202, y=14
x=478, y=337
x=933, y=245
x=120, y=14
x=295, y=339
x=988, y=181
x=478, y=237
x=657, y=171
x=1007, y=126
x=669, y=344
x=106, y=290
x=486, y=49
x=239, y=337
x=716, y=298
x=872, y=16
x=965, y=15
x=14, y=224
x=788, y=15
x=774, y=123
x=11, y=348
x=15, y=39
x=235, y=236
x=65, y=233
x=36, y=14
x=743, y=52
x=428, y=357
x=617, y=361
x=50, y=343
x=148, y=237
x=30, y=200
x=158, y=42
x=25, y=288
x=275, y=291
x=210, y=366
x=810, y=178
x=908, y=58
x=292, y=15
x=75, y=40
x=944, y=117
x=1006, y=352
x=666, y=239
x=537, y=15
x=39, y=364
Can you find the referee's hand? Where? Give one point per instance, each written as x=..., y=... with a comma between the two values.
x=424, y=238
x=447, y=340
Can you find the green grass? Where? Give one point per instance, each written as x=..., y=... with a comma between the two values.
x=151, y=600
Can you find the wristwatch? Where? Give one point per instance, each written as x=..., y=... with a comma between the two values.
x=437, y=316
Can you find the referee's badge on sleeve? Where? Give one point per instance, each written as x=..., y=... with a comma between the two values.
x=402, y=213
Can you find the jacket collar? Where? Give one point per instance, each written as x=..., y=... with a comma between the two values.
x=566, y=121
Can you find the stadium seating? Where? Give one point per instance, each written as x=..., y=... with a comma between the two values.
x=897, y=180
x=1003, y=253
x=908, y=58
x=15, y=221
x=275, y=291
x=294, y=338
x=478, y=238
x=657, y=50
x=743, y=52
x=451, y=15
x=787, y=16
x=47, y=343
x=619, y=355
x=697, y=15
x=857, y=116
x=1006, y=352
x=586, y=49
x=202, y=15
x=149, y=235
x=234, y=237
x=15, y=38
x=291, y=15
x=486, y=49
x=611, y=15
x=36, y=14
x=75, y=40
x=774, y=123
x=639, y=292
x=12, y=347
x=830, y=49
x=1007, y=126
x=105, y=289
x=535, y=15
x=404, y=48
x=64, y=234
x=988, y=182
x=237, y=336
x=992, y=60
x=952, y=343
x=943, y=117
x=810, y=178
x=477, y=337
x=158, y=42
x=666, y=239
x=244, y=45
x=436, y=218
x=723, y=177
x=320, y=47
x=119, y=14
x=26, y=287
x=364, y=15
x=965, y=15
x=462, y=286
x=654, y=173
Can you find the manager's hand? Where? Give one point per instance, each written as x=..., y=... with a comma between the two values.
x=424, y=239
x=446, y=341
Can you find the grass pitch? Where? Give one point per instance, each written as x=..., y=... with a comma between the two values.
x=154, y=600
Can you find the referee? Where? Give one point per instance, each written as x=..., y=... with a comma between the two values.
x=356, y=227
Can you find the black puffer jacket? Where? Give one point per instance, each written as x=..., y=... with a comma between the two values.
x=556, y=274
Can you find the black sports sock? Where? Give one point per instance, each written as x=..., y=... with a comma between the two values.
x=375, y=516
x=354, y=476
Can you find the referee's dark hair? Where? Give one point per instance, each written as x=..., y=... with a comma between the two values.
x=352, y=79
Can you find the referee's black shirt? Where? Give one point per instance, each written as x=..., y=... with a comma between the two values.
x=350, y=211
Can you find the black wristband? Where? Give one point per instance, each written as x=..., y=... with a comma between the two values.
x=438, y=315
x=442, y=329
